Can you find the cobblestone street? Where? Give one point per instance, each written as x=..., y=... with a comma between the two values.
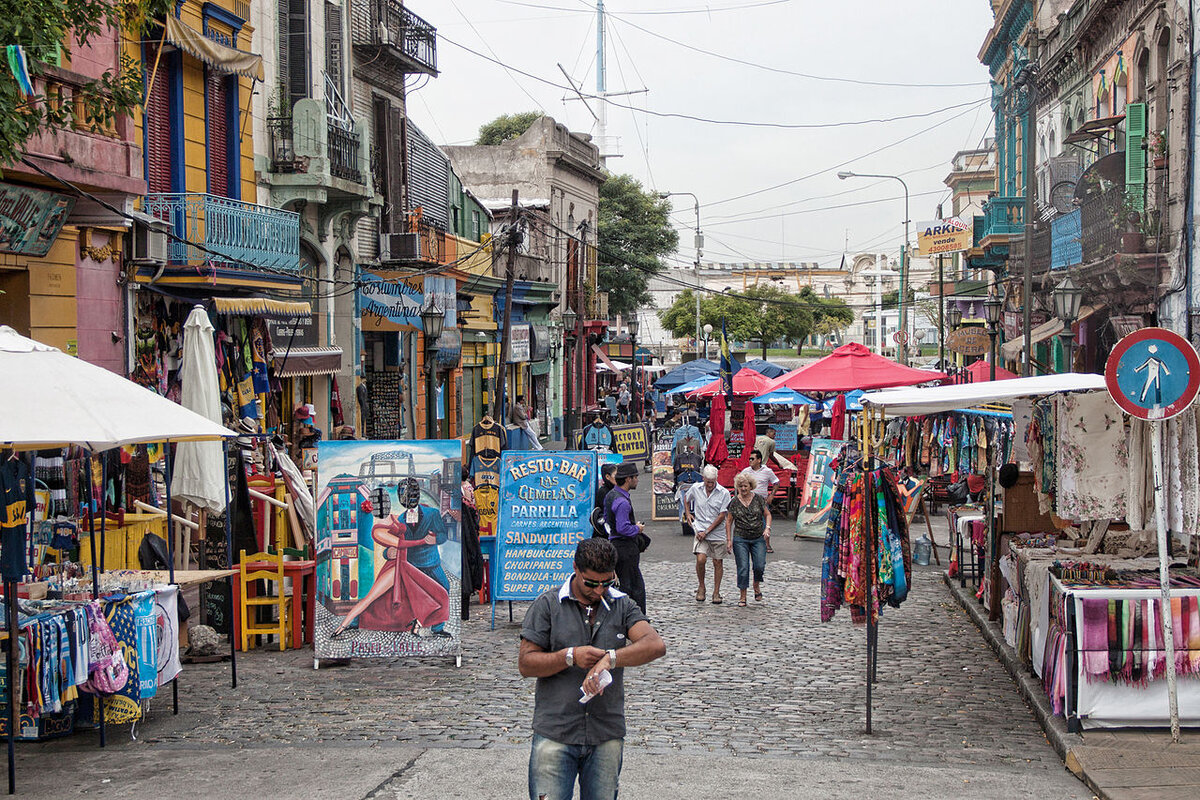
x=764, y=682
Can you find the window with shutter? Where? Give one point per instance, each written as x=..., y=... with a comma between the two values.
x=283, y=21
x=397, y=169
x=333, y=44
x=1135, y=155
x=216, y=92
x=298, y=59
x=157, y=120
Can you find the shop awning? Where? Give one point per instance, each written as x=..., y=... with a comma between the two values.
x=608, y=362
x=262, y=307
x=301, y=361
x=1012, y=348
x=936, y=399
x=213, y=53
x=614, y=366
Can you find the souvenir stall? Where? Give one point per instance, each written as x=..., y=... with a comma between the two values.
x=1069, y=567
x=82, y=640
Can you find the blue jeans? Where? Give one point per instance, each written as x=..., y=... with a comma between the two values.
x=553, y=768
x=747, y=551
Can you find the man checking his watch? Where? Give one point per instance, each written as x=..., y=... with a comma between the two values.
x=570, y=636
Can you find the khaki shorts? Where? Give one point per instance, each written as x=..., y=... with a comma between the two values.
x=713, y=548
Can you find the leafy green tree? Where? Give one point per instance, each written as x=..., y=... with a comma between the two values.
x=764, y=313
x=635, y=234
x=507, y=127
x=43, y=30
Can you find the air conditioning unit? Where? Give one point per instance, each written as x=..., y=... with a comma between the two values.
x=149, y=240
x=399, y=247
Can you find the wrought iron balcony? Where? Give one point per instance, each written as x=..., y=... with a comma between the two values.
x=405, y=38
x=243, y=235
x=343, y=153
x=1101, y=223
x=313, y=142
x=1004, y=216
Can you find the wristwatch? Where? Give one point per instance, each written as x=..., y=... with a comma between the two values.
x=612, y=659
x=570, y=656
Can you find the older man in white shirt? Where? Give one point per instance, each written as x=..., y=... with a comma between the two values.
x=705, y=506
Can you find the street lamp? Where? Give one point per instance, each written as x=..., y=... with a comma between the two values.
x=433, y=319
x=901, y=351
x=632, y=326
x=991, y=308
x=708, y=329
x=1067, y=298
x=696, y=264
x=569, y=318
x=954, y=316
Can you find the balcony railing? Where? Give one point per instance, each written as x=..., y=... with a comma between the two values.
x=1004, y=216
x=394, y=26
x=312, y=141
x=243, y=235
x=1066, y=240
x=1101, y=223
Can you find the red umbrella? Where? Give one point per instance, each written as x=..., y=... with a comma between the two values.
x=746, y=383
x=982, y=371
x=717, y=451
x=749, y=435
x=852, y=366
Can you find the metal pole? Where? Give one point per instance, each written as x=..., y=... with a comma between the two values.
x=902, y=350
x=14, y=632
x=941, y=304
x=170, y=555
x=103, y=514
x=699, y=245
x=229, y=559
x=1030, y=145
x=1160, y=521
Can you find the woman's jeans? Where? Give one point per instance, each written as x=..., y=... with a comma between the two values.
x=553, y=768
x=747, y=551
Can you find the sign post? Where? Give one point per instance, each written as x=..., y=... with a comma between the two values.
x=1154, y=374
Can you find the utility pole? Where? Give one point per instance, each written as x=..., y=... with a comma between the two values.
x=941, y=303
x=1030, y=146
x=514, y=239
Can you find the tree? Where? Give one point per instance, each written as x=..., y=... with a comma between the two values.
x=507, y=127
x=635, y=233
x=764, y=313
x=44, y=30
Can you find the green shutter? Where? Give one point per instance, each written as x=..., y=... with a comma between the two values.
x=1135, y=155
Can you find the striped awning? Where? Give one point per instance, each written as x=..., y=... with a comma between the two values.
x=303, y=361
x=262, y=307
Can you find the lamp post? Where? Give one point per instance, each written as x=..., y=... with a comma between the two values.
x=432, y=321
x=991, y=308
x=1067, y=298
x=878, y=275
x=569, y=318
x=696, y=264
x=632, y=326
x=708, y=329
x=901, y=349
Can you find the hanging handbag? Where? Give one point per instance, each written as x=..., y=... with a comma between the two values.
x=643, y=541
x=107, y=670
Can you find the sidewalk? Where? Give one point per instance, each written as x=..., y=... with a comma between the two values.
x=1122, y=764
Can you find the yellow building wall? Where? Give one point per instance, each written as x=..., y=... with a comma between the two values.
x=194, y=107
x=50, y=315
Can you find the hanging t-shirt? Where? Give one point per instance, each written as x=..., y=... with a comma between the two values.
x=488, y=439
x=14, y=481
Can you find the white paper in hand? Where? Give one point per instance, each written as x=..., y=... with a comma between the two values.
x=604, y=679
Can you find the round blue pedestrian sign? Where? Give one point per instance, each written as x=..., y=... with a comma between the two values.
x=1153, y=374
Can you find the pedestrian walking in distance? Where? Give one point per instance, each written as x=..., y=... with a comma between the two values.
x=748, y=520
x=624, y=530
x=572, y=639
x=705, y=506
x=764, y=479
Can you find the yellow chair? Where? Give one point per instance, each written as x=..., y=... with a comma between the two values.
x=270, y=570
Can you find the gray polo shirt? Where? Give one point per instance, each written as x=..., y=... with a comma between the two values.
x=557, y=620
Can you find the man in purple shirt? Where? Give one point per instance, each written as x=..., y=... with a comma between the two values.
x=625, y=530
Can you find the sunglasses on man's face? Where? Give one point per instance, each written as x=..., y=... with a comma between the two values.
x=594, y=584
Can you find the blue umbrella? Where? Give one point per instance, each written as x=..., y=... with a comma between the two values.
x=685, y=373
x=693, y=385
x=784, y=396
x=853, y=401
x=765, y=368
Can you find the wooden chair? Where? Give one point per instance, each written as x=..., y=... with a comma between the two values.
x=249, y=600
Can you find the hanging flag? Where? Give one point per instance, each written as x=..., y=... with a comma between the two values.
x=726, y=367
x=20, y=68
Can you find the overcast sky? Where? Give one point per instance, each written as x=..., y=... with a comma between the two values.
x=929, y=46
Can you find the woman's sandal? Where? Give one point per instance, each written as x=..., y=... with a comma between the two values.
x=717, y=600
x=699, y=595
x=758, y=597
x=741, y=603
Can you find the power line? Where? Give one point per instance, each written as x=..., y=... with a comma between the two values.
x=711, y=121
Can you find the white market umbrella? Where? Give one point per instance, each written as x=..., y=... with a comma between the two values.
x=199, y=473
x=55, y=400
